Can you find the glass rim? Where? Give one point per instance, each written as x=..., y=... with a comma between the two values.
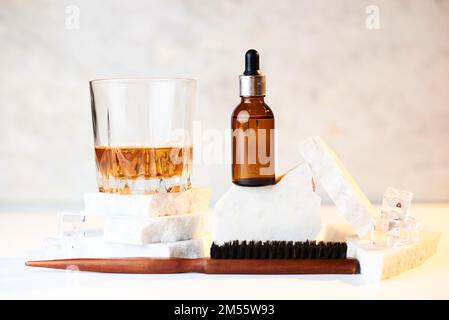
x=142, y=79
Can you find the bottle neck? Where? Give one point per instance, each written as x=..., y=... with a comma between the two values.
x=258, y=99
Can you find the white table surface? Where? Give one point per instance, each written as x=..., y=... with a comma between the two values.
x=21, y=232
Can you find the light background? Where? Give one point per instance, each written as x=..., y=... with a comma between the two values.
x=379, y=97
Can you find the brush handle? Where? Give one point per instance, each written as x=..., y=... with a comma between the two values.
x=209, y=266
x=281, y=266
x=125, y=265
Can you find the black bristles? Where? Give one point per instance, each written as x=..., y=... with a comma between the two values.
x=264, y=251
x=241, y=251
x=279, y=250
x=257, y=250
x=289, y=250
x=271, y=249
x=215, y=251
x=248, y=250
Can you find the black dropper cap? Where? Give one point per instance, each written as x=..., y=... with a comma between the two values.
x=251, y=63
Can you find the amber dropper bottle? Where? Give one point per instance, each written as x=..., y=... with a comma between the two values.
x=252, y=130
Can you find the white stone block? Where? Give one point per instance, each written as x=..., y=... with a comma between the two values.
x=97, y=247
x=338, y=183
x=376, y=265
x=195, y=248
x=139, y=231
x=288, y=210
x=155, y=205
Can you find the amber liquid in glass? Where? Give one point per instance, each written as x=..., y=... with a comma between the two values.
x=253, y=143
x=124, y=165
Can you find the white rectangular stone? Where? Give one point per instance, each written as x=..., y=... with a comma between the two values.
x=194, y=248
x=288, y=210
x=139, y=231
x=97, y=247
x=376, y=265
x=338, y=183
x=155, y=205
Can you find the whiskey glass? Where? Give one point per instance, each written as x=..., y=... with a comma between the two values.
x=142, y=134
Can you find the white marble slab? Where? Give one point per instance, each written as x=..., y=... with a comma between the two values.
x=146, y=206
x=288, y=210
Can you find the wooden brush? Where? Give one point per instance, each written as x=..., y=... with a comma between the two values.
x=268, y=257
x=204, y=265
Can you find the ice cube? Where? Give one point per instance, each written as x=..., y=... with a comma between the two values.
x=58, y=247
x=71, y=223
x=396, y=203
x=409, y=231
x=388, y=233
x=384, y=232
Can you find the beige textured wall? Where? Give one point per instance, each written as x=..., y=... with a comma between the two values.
x=379, y=97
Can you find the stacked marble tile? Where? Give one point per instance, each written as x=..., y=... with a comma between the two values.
x=158, y=225
x=113, y=225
